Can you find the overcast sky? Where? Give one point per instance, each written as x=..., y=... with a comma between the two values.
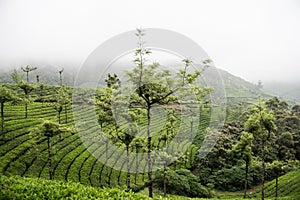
x=253, y=39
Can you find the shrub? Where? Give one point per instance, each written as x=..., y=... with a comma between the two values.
x=181, y=182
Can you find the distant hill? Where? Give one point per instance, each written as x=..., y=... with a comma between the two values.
x=236, y=88
x=47, y=74
x=284, y=90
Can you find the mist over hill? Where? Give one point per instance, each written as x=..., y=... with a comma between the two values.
x=286, y=90
x=236, y=88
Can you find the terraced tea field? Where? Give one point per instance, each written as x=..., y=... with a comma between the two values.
x=25, y=154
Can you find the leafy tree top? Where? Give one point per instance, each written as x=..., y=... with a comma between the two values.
x=6, y=95
x=261, y=123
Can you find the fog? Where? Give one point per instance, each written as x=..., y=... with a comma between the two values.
x=253, y=39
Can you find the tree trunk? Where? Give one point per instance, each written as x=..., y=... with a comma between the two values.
x=136, y=164
x=59, y=123
x=150, y=184
x=276, y=193
x=27, y=77
x=49, y=159
x=2, y=123
x=165, y=180
x=26, y=110
x=263, y=171
x=106, y=159
x=59, y=117
x=66, y=113
x=128, y=167
x=246, y=180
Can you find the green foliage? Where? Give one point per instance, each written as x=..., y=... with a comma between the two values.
x=49, y=128
x=243, y=147
x=31, y=188
x=229, y=179
x=6, y=95
x=261, y=124
x=182, y=182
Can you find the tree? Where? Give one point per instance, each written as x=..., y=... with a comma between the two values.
x=28, y=69
x=276, y=167
x=6, y=95
x=60, y=75
x=164, y=158
x=182, y=182
x=25, y=86
x=296, y=110
x=259, y=84
x=154, y=86
x=262, y=125
x=138, y=144
x=67, y=101
x=113, y=81
x=126, y=138
x=27, y=89
x=286, y=146
x=62, y=100
x=244, y=151
x=49, y=129
x=103, y=103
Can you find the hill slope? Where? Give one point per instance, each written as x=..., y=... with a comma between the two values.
x=288, y=187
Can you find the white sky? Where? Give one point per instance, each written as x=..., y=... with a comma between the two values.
x=254, y=39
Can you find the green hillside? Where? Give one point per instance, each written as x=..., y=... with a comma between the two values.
x=26, y=155
x=288, y=187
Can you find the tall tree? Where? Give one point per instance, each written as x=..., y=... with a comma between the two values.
x=49, y=129
x=126, y=138
x=155, y=86
x=6, y=95
x=26, y=70
x=138, y=144
x=276, y=167
x=103, y=102
x=62, y=100
x=262, y=125
x=26, y=87
x=244, y=151
x=164, y=158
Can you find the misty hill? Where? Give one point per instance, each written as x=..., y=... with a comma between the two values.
x=48, y=75
x=289, y=91
x=236, y=88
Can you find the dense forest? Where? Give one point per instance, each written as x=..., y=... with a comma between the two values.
x=144, y=137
